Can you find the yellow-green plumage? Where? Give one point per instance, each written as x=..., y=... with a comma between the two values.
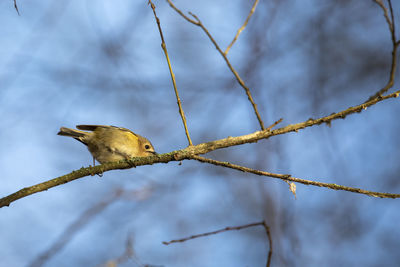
x=110, y=143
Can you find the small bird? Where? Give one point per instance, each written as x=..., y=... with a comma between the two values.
x=110, y=143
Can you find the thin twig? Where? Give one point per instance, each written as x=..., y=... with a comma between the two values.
x=188, y=152
x=395, y=43
x=253, y=8
x=393, y=28
x=266, y=227
x=182, y=14
x=164, y=48
x=288, y=177
x=16, y=7
x=197, y=22
x=230, y=228
x=385, y=14
x=274, y=124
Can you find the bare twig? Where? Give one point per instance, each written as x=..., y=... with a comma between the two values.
x=188, y=152
x=197, y=22
x=274, y=124
x=16, y=7
x=253, y=8
x=164, y=48
x=395, y=43
x=385, y=14
x=230, y=228
x=393, y=28
x=266, y=227
x=288, y=177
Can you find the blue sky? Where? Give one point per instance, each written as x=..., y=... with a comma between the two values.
x=81, y=62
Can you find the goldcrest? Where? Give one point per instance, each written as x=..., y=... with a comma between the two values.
x=110, y=143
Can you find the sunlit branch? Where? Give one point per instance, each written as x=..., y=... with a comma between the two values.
x=253, y=8
x=395, y=43
x=188, y=152
x=164, y=48
x=197, y=22
x=274, y=124
x=288, y=177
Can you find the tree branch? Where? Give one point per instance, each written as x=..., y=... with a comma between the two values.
x=164, y=48
x=16, y=7
x=288, y=177
x=197, y=22
x=230, y=228
x=188, y=152
x=395, y=43
x=253, y=8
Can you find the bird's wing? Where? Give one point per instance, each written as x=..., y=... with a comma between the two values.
x=88, y=127
x=91, y=127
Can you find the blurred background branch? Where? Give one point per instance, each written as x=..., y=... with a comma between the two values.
x=88, y=217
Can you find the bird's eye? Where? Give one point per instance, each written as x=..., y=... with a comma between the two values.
x=147, y=147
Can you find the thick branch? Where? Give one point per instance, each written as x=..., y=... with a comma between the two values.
x=188, y=152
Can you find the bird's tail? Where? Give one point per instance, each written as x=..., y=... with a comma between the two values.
x=71, y=133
